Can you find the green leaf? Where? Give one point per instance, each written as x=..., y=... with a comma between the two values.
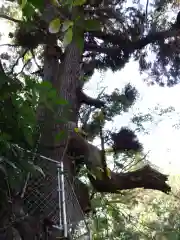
x=55, y=3
x=79, y=2
x=22, y=3
x=60, y=101
x=36, y=168
x=80, y=43
x=28, y=135
x=67, y=24
x=68, y=37
x=27, y=57
x=52, y=94
x=28, y=11
x=79, y=38
x=54, y=25
x=45, y=84
x=92, y=25
x=39, y=4
x=60, y=136
x=10, y=163
x=67, y=2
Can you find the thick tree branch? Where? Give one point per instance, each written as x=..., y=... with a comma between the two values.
x=146, y=177
x=153, y=37
x=100, y=49
x=83, y=98
x=129, y=46
x=117, y=37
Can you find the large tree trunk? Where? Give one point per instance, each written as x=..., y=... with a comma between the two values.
x=41, y=196
x=65, y=78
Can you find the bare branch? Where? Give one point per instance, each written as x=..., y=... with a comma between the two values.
x=10, y=18
x=130, y=46
x=83, y=98
x=132, y=163
x=34, y=58
x=154, y=37
x=21, y=56
x=90, y=110
x=29, y=60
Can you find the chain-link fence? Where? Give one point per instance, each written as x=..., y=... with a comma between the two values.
x=52, y=195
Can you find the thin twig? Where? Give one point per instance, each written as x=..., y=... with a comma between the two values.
x=134, y=164
x=9, y=45
x=103, y=157
x=65, y=150
x=90, y=110
x=34, y=58
x=17, y=60
x=23, y=67
x=146, y=14
x=25, y=186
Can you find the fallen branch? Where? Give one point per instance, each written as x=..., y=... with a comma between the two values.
x=146, y=177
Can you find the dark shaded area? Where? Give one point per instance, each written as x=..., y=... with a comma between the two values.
x=126, y=140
